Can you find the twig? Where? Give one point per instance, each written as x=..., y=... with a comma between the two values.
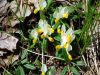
x=6, y=70
x=84, y=60
x=64, y=1
x=94, y=59
x=45, y=55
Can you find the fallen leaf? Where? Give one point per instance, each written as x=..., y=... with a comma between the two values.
x=3, y=6
x=7, y=41
x=20, y=8
x=2, y=63
x=10, y=59
x=2, y=52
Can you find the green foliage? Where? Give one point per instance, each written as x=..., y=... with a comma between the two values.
x=75, y=71
x=51, y=70
x=24, y=54
x=80, y=63
x=29, y=66
x=58, y=38
x=20, y=71
x=64, y=71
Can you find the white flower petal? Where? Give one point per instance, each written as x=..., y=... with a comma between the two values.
x=55, y=15
x=68, y=48
x=72, y=37
x=36, y=4
x=45, y=27
x=34, y=33
x=42, y=3
x=63, y=28
x=69, y=31
x=59, y=12
x=41, y=24
x=44, y=68
x=63, y=39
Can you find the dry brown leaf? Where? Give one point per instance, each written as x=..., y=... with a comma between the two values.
x=2, y=52
x=3, y=6
x=10, y=59
x=7, y=41
x=13, y=22
x=2, y=63
x=21, y=9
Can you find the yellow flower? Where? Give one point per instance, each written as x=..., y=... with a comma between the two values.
x=39, y=5
x=39, y=31
x=69, y=39
x=35, y=11
x=42, y=36
x=43, y=73
x=66, y=38
x=41, y=8
x=52, y=30
x=65, y=15
x=51, y=39
x=58, y=30
x=65, y=45
x=58, y=47
x=34, y=35
x=34, y=40
x=56, y=20
x=70, y=57
x=61, y=12
x=45, y=29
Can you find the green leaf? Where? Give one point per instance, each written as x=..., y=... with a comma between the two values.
x=58, y=38
x=49, y=2
x=44, y=44
x=38, y=63
x=51, y=71
x=64, y=71
x=80, y=63
x=56, y=26
x=6, y=72
x=32, y=46
x=24, y=54
x=29, y=66
x=77, y=31
x=64, y=54
x=75, y=71
x=76, y=17
x=20, y=71
x=24, y=61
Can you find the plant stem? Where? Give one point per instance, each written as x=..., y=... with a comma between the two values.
x=42, y=51
x=45, y=55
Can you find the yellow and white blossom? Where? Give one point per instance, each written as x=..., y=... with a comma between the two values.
x=45, y=29
x=43, y=69
x=34, y=35
x=62, y=12
x=39, y=5
x=66, y=38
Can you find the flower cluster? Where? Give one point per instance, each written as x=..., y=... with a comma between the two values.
x=44, y=30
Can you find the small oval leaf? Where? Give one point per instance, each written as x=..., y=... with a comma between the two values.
x=29, y=66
